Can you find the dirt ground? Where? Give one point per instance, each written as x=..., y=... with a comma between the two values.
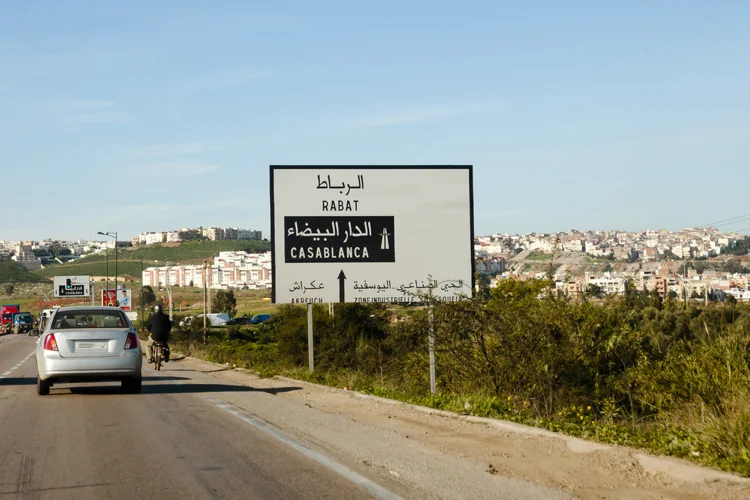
x=583, y=469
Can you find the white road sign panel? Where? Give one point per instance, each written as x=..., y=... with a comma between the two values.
x=371, y=234
x=71, y=286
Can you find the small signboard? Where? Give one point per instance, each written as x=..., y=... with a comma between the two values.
x=371, y=234
x=71, y=286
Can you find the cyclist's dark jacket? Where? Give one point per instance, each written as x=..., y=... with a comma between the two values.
x=159, y=326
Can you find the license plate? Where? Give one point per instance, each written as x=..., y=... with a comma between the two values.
x=91, y=345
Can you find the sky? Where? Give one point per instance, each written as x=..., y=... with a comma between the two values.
x=145, y=116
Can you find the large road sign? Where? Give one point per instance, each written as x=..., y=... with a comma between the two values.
x=71, y=286
x=371, y=234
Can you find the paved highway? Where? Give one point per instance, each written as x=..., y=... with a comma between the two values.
x=167, y=442
x=194, y=435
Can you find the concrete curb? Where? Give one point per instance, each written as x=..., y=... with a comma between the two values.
x=653, y=465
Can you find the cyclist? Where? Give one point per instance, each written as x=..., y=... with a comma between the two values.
x=159, y=325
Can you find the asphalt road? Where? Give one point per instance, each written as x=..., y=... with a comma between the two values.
x=175, y=440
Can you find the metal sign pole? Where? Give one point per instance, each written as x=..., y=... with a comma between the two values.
x=431, y=315
x=311, y=358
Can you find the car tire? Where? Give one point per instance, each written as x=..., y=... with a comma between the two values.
x=132, y=386
x=42, y=386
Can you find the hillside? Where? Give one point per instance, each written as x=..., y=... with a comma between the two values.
x=129, y=259
x=10, y=271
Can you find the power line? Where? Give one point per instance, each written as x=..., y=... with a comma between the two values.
x=724, y=221
x=746, y=219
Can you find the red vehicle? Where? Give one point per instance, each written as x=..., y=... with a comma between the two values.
x=6, y=316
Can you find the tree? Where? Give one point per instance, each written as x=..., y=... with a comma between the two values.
x=669, y=255
x=225, y=302
x=733, y=266
x=700, y=267
x=149, y=297
x=595, y=291
x=8, y=289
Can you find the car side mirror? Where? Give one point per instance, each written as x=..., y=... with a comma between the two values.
x=34, y=333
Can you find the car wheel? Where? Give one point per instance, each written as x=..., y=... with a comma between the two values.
x=132, y=386
x=42, y=386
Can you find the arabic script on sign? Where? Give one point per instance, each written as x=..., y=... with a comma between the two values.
x=326, y=183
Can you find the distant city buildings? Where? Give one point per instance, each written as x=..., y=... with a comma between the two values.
x=24, y=255
x=187, y=234
x=229, y=270
x=645, y=246
x=644, y=258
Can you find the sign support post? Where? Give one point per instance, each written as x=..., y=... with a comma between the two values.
x=310, y=355
x=431, y=341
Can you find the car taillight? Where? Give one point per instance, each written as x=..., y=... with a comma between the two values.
x=50, y=344
x=131, y=342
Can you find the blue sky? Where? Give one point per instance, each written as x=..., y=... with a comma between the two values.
x=141, y=115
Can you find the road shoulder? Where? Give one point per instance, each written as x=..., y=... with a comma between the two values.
x=582, y=468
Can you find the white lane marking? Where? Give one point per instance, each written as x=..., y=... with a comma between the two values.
x=19, y=365
x=377, y=490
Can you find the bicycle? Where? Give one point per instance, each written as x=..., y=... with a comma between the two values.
x=158, y=355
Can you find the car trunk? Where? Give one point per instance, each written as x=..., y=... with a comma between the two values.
x=91, y=343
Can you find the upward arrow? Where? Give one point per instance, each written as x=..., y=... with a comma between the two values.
x=342, y=280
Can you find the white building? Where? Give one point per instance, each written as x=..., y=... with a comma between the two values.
x=607, y=283
x=229, y=270
x=154, y=237
x=249, y=234
x=24, y=255
x=172, y=236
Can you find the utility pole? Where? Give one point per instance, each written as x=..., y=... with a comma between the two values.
x=205, y=296
x=115, y=268
x=684, y=280
x=106, y=252
x=169, y=294
x=141, y=302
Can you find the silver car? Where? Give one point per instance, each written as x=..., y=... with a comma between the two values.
x=89, y=344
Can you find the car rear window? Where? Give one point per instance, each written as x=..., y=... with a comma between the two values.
x=91, y=318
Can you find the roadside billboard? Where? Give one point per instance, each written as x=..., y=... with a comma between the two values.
x=371, y=234
x=121, y=298
x=71, y=286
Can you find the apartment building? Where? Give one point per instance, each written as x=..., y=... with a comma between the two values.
x=607, y=283
x=231, y=233
x=229, y=270
x=24, y=256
